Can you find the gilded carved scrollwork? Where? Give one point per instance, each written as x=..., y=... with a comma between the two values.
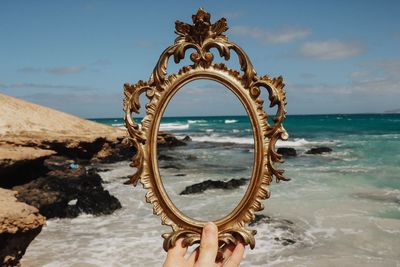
x=201, y=36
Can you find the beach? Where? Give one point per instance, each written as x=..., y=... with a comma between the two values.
x=340, y=207
x=76, y=73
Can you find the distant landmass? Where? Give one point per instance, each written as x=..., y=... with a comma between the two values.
x=397, y=110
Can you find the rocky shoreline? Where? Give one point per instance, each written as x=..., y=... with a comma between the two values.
x=47, y=170
x=60, y=183
x=64, y=183
x=52, y=183
x=46, y=159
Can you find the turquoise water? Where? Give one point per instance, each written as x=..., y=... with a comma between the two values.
x=365, y=140
x=344, y=206
x=312, y=126
x=360, y=178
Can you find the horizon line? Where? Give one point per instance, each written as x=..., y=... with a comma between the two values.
x=304, y=114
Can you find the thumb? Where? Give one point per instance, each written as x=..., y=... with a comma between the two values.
x=208, y=246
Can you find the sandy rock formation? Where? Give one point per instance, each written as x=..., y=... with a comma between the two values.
x=165, y=139
x=19, y=225
x=30, y=133
x=21, y=119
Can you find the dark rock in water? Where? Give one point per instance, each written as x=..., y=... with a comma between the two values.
x=180, y=174
x=95, y=169
x=67, y=193
x=165, y=157
x=380, y=195
x=319, y=150
x=260, y=218
x=187, y=139
x=165, y=139
x=191, y=157
x=25, y=160
x=98, y=150
x=211, y=184
x=127, y=182
x=285, y=241
x=172, y=166
x=282, y=227
x=287, y=151
x=110, y=152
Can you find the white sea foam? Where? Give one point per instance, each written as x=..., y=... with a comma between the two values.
x=293, y=143
x=317, y=225
x=301, y=142
x=119, y=126
x=173, y=126
x=196, y=121
x=249, y=140
x=230, y=121
x=223, y=139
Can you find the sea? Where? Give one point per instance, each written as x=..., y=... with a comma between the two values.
x=339, y=209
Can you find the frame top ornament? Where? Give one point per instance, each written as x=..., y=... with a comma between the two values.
x=201, y=36
x=202, y=29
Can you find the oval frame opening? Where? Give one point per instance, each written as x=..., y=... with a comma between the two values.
x=237, y=90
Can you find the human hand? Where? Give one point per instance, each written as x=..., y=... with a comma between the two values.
x=206, y=253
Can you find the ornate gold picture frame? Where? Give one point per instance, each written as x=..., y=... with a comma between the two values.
x=247, y=86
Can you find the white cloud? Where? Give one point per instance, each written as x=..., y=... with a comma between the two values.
x=353, y=97
x=44, y=86
x=147, y=44
x=284, y=35
x=359, y=74
x=375, y=78
x=330, y=50
x=232, y=15
x=321, y=88
x=376, y=71
x=102, y=62
x=391, y=67
x=202, y=90
x=87, y=105
x=377, y=87
x=29, y=70
x=66, y=70
x=307, y=75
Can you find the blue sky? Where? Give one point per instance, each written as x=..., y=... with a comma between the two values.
x=335, y=56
